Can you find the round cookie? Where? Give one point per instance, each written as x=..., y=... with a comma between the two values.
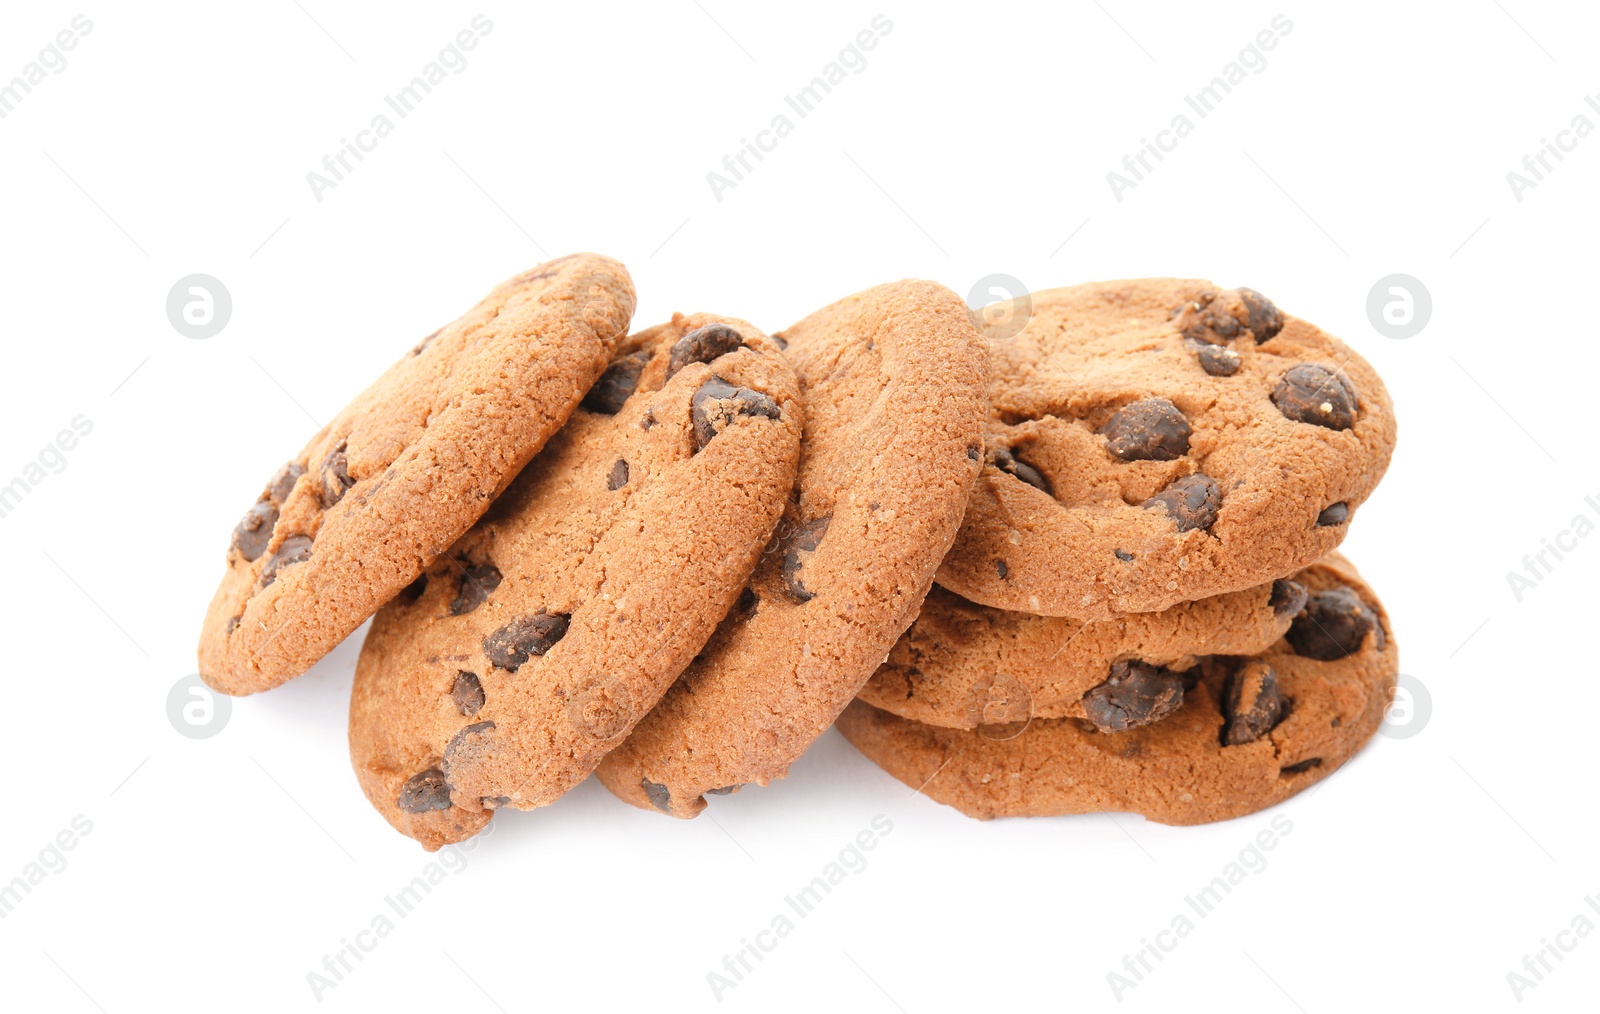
x=406, y=468
x=1250, y=733
x=893, y=381
x=962, y=665
x=533, y=646
x=1158, y=441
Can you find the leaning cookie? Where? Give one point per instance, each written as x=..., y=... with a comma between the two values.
x=962, y=665
x=406, y=468
x=893, y=381
x=1251, y=733
x=1158, y=441
x=537, y=642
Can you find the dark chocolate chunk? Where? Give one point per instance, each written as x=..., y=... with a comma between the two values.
x=334, y=475
x=802, y=543
x=295, y=549
x=658, y=795
x=703, y=345
x=467, y=693
x=1288, y=597
x=618, y=476
x=233, y=624
x=1217, y=360
x=722, y=791
x=1314, y=394
x=1224, y=316
x=477, y=582
x=254, y=530
x=1124, y=555
x=973, y=452
x=424, y=791
x=718, y=403
x=1333, y=514
x=747, y=603
x=1252, y=704
x=1192, y=501
x=525, y=636
x=1005, y=459
x=1264, y=319
x=495, y=802
x=1136, y=693
x=1333, y=626
x=1302, y=767
x=1148, y=430
x=619, y=381
x=1001, y=569
x=282, y=483
x=414, y=591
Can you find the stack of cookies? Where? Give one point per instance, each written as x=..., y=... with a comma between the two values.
x=675, y=558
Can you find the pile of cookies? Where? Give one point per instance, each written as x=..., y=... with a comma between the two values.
x=677, y=557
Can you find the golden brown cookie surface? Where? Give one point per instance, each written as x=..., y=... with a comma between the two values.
x=537, y=642
x=1251, y=733
x=407, y=467
x=1159, y=440
x=962, y=665
x=893, y=381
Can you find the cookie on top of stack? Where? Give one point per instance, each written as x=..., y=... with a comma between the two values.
x=677, y=558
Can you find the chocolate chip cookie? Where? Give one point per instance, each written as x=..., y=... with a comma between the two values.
x=1161, y=440
x=406, y=468
x=893, y=381
x=1249, y=733
x=963, y=665
x=536, y=642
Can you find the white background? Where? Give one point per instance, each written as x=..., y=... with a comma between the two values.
x=219, y=872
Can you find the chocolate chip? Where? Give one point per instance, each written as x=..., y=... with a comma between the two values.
x=1005, y=459
x=1136, y=693
x=467, y=693
x=747, y=603
x=1302, y=767
x=802, y=544
x=477, y=581
x=973, y=452
x=462, y=744
x=658, y=795
x=1224, y=316
x=619, y=381
x=254, y=530
x=1333, y=626
x=1288, y=597
x=1123, y=555
x=334, y=475
x=1314, y=394
x=702, y=345
x=718, y=403
x=1193, y=501
x=782, y=341
x=1001, y=569
x=1217, y=360
x=1333, y=514
x=233, y=624
x=1252, y=704
x=424, y=791
x=295, y=549
x=413, y=591
x=618, y=476
x=282, y=483
x=1148, y=430
x=495, y=802
x=512, y=644
x=722, y=791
